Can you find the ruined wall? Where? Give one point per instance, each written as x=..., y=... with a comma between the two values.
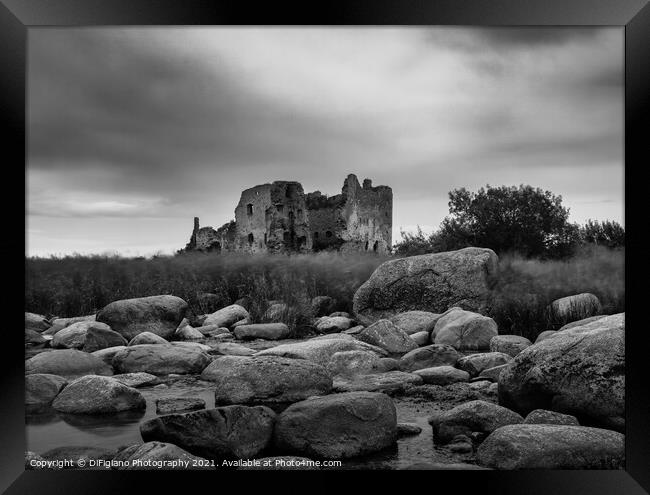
x=279, y=217
x=273, y=218
x=369, y=217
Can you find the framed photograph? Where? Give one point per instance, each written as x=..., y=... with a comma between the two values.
x=357, y=236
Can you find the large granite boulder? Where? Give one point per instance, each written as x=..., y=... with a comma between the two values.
x=68, y=363
x=574, y=308
x=61, y=323
x=386, y=335
x=226, y=317
x=333, y=324
x=161, y=359
x=413, y=322
x=509, y=344
x=474, y=364
x=474, y=416
x=98, y=338
x=388, y=382
x=147, y=338
x=73, y=336
x=238, y=432
x=151, y=455
x=350, y=363
x=579, y=323
x=136, y=380
x=442, y=375
x=265, y=379
x=527, y=446
x=267, y=331
x=320, y=351
x=544, y=417
x=428, y=357
x=580, y=371
x=429, y=282
x=42, y=388
x=156, y=314
x=97, y=395
x=464, y=330
x=337, y=426
x=35, y=322
x=107, y=354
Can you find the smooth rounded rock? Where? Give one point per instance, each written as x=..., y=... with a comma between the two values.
x=161, y=359
x=42, y=388
x=387, y=336
x=68, y=363
x=413, y=322
x=509, y=344
x=464, y=330
x=97, y=395
x=267, y=331
x=442, y=375
x=227, y=316
x=428, y=357
x=474, y=364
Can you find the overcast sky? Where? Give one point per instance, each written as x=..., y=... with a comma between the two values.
x=134, y=131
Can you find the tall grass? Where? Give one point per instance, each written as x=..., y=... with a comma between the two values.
x=79, y=285
x=526, y=287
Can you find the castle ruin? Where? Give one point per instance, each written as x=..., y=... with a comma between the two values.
x=280, y=217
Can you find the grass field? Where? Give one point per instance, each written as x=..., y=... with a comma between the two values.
x=80, y=285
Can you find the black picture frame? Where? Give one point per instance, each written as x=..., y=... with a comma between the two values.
x=17, y=16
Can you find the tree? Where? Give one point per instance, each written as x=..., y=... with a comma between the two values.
x=607, y=233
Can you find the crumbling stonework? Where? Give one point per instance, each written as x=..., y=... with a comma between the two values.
x=280, y=217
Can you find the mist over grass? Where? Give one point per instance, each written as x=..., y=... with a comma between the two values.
x=80, y=285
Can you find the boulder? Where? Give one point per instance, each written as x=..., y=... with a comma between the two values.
x=421, y=338
x=322, y=305
x=386, y=364
x=333, y=324
x=226, y=317
x=98, y=337
x=136, y=380
x=74, y=335
x=33, y=337
x=238, y=432
x=320, y=351
x=527, y=446
x=413, y=322
x=232, y=349
x=429, y=357
x=192, y=345
x=42, y=388
x=187, y=332
x=265, y=379
x=464, y=330
x=337, y=426
x=212, y=330
x=245, y=321
x=160, y=315
x=387, y=336
x=408, y=429
x=577, y=307
x=429, y=282
x=389, y=382
x=147, y=338
x=61, y=323
x=545, y=335
x=476, y=415
x=442, y=375
x=349, y=363
x=150, y=455
x=580, y=371
x=267, y=331
x=276, y=312
x=68, y=363
x=35, y=322
x=509, y=344
x=97, y=395
x=544, y=417
x=160, y=359
x=107, y=354
x=492, y=374
x=168, y=405
x=579, y=323
x=474, y=364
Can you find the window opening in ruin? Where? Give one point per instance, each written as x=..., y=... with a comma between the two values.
x=375, y=246
x=315, y=235
x=250, y=238
x=265, y=237
x=280, y=208
x=328, y=234
x=302, y=240
x=249, y=209
x=366, y=245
